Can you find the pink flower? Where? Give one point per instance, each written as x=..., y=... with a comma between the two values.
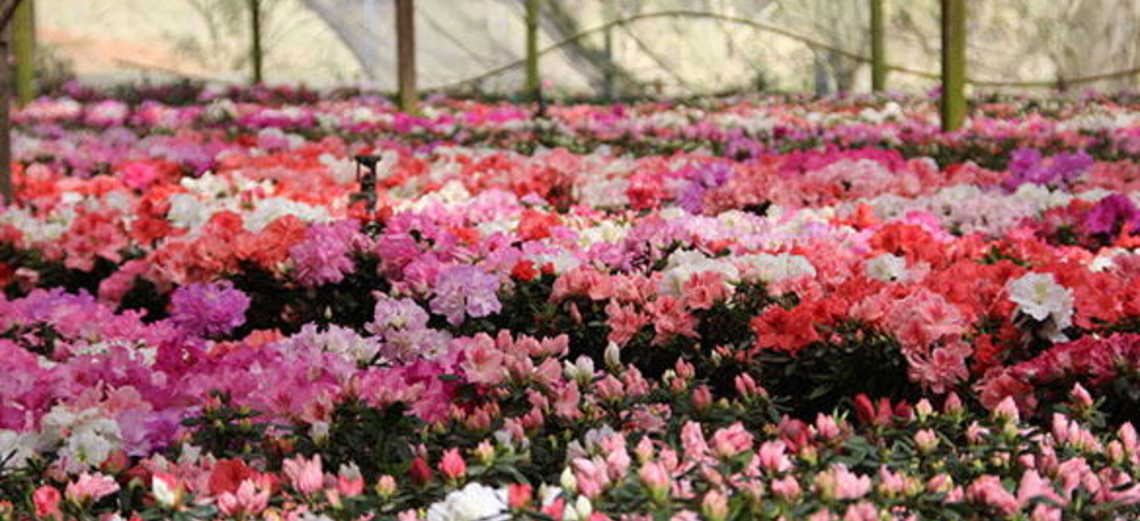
x=861, y=511
x=773, y=456
x=566, y=402
x=306, y=476
x=746, y=386
x=483, y=361
x=715, y=506
x=1081, y=396
x=46, y=500
x=693, y=440
x=839, y=483
x=786, y=488
x=624, y=322
x=670, y=320
x=349, y=482
x=655, y=478
x=731, y=441
x=452, y=464
x=1007, y=410
x=1034, y=486
x=90, y=487
x=926, y=441
x=826, y=427
x=705, y=289
x=988, y=490
x=247, y=501
x=591, y=477
x=702, y=398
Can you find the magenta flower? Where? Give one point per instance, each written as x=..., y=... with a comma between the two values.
x=326, y=253
x=208, y=309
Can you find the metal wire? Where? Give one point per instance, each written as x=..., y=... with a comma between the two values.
x=812, y=43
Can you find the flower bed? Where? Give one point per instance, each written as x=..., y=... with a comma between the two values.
x=743, y=309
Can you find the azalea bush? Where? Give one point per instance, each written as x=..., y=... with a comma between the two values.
x=749, y=308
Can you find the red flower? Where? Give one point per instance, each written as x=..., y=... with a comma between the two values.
x=524, y=271
x=228, y=475
x=535, y=225
x=784, y=330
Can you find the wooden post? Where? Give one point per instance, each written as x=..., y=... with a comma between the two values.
x=878, y=48
x=256, y=53
x=24, y=47
x=406, y=54
x=6, y=189
x=953, y=64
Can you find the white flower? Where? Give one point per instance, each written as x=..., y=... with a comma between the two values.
x=581, y=370
x=769, y=268
x=887, y=268
x=1039, y=296
x=605, y=232
x=15, y=449
x=186, y=211
x=683, y=264
x=475, y=502
x=269, y=210
x=92, y=444
x=87, y=437
x=562, y=260
x=493, y=226
x=604, y=193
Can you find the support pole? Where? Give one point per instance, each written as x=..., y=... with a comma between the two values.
x=533, y=82
x=6, y=189
x=406, y=54
x=256, y=53
x=953, y=64
x=878, y=48
x=24, y=47
x=7, y=193
x=608, y=71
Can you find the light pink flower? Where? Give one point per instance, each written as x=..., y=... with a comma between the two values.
x=306, y=476
x=90, y=487
x=249, y=500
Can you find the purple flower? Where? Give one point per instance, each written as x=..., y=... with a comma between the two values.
x=1110, y=212
x=208, y=309
x=701, y=180
x=1027, y=165
x=465, y=289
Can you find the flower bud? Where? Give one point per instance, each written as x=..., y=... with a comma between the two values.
x=613, y=356
x=453, y=466
x=715, y=506
x=386, y=486
x=702, y=398
x=568, y=481
x=485, y=452
x=926, y=441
